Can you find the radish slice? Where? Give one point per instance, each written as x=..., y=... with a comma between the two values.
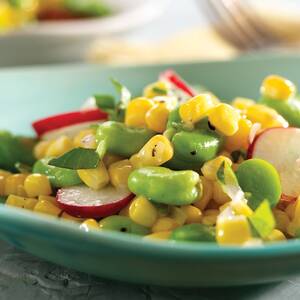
x=67, y=123
x=281, y=147
x=81, y=201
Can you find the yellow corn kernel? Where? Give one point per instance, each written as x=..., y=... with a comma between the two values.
x=119, y=173
x=164, y=224
x=157, y=117
x=85, y=139
x=30, y=203
x=210, y=216
x=125, y=210
x=211, y=167
x=2, y=185
x=37, y=184
x=233, y=231
x=46, y=207
x=282, y=219
x=193, y=214
x=97, y=178
x=109, y=159
x=163, y=235
x=242, y=103
x=155, y=152
x=178, y=215
x=275, y=235
x=297, y=209
x=68, y=217
x=41, y=149
x=12, y=183
x=5, y=174
x=196, y=108
x=16, y=201
x=136, y=112
x=278, y=88
x=60, y=146
x=143, y=212
x=290, y=210
x=265, y=116
x=225, y=118
x=224, y=206
x=207, y=193
x=21, y=191
x=218, y=195
x=159, y=88
x=241, y=208
x=89, y=224
x=47, y=198
x=240, y=140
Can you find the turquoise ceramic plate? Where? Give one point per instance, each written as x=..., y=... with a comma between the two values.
x=27, y=94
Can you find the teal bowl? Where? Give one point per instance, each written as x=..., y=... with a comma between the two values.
x=28, y=94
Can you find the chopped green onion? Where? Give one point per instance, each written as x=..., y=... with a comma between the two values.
x=77, y=159
x=124, y=92
x=159, y=91
x=105, y=102
x=101, y=149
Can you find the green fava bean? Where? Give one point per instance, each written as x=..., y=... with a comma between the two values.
x=289, y=109
x=123, y=224
x=177, y=163
x=122, y=140
x=196, y=146
x=163, y=185
x=261, y=180
x=59, y=177
x=194, y=233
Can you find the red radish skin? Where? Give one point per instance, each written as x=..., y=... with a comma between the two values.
x=60, y=121
x=78, y=201
x=279, y=146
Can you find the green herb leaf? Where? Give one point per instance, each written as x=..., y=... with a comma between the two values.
x=77, y=159
x=124, y=92
x=262, y=219
x=105, y=102
x=229, y=182
x=23, y=168
x=159, y=91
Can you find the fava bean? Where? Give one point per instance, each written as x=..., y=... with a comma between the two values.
x=194, y=233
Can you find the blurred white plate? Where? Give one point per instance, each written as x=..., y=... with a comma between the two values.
x=67, y=41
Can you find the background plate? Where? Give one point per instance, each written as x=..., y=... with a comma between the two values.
x=27, y=94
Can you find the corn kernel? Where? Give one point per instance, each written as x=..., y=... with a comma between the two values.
x=275, y=235
x=136, y=112
x=290, y=210
x=157, y=117
x=241, y=208
x=210, y=217
x=207, y=193
x=196, y=108
x=5, y=174
x=85, y=139
x=178, y=215
x=119, y=173
x=59, y=147
x=164, y=224
x=16, y=201
x=218, y=195
x=97, y=178
x=163, y=235
x=159, y=88
x=193, y=214
x=125, y=210
x=48, y=198
x=225, y=119
x=89, y=224
x=278, y=88
x=2, y=185
x=109, y=159
x=240, y=140
x=12, y=183
x=233, y=231
x=30, y=203
x=143, y=212
x=155, y=152
x=242, y=103
x=37, y=184
x=21, y=191
x=211, y=167
x=265, y=116
x=41, y=149
x=46, y=207
x=282, y=219
x=68, y=217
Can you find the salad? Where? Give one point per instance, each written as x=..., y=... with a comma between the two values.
x=15, y=13
x=175, y=163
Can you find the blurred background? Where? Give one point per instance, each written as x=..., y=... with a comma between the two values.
x=144, y=31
